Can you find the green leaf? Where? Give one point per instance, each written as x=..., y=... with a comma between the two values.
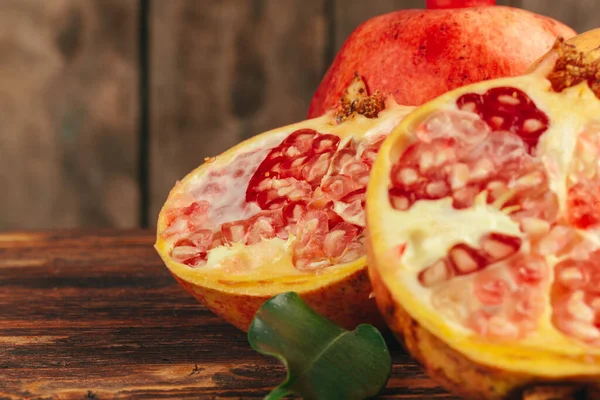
x=324, y=361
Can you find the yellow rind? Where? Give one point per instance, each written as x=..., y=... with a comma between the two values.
x=463, y=361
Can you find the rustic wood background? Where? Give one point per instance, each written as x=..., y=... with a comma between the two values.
x=105, y=103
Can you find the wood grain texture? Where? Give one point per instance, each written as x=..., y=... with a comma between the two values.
x=96, y=315
x=225, y=71
x=68, y=100
x=581, y=15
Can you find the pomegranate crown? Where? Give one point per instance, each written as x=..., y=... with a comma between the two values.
x=573, y=67
x=357, y=100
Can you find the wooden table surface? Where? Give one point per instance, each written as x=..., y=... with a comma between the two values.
x=95, y=315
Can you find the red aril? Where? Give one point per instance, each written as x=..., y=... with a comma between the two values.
x=283, y=211
x=417, y=55
x=491, y=191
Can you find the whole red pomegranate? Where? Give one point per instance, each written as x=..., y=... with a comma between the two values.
x=417, y=55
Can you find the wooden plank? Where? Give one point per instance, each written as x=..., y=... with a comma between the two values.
x=96, y=315
x=581, y=15
x=348, y=15
x=224, y=71
x=68, y=100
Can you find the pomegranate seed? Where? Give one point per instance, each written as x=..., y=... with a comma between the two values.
x=572, y=277
x=481, y=169
x=471, y=102
x=580, y=329
x=362, y=179
x=426, y=161
x=508, y=99
x=355, y=168
x=498, y=246
x=437, y=273
x=399, y=200
x=316, y=168
x=531, y=125
x=217, y=240
x=578, y=309
x=437, y=190
x=187, y=255
x=534, y=226
x=325, y=143
x=342, y=158
x=459, y=176
x=301, y=139
x=526, y=309
x=408, y=176
x=201, y=239
x=444, y=156
x=534, y=179
x=463, y=198
x=294, y=211
x=530, y=270
x=491, y=292
x=233, y=232
x=358, y=194
x=338, y=239
x=556, y=240
x=260, y=229
x=338, y=186
x=354, y=211
x=465, y=259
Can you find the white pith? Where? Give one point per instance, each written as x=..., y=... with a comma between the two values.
x=270, y=258
x=438, y=226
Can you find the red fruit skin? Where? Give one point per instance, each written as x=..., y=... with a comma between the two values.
x=437, y=4
x=417, y=55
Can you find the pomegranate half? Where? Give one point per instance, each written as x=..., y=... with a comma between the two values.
x=282, y=211
x=483, y=212
x=416, y=55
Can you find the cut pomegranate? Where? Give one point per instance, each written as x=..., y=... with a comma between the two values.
x=307, y=186
x=456, y=156
x=308, y=178
x=483, y=229
x=282, y=211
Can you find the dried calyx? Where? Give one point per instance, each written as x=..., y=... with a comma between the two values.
x=573, y=67
x=356, y=100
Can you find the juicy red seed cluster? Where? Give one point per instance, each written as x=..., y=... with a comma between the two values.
x=507, y=109
x=576, y=298
x=496, y=303
x=296, y=186
x=583, y=202
x=294, y=158
x=454, y=156
x=305, y=164
x=463, y=259
x=318, y=244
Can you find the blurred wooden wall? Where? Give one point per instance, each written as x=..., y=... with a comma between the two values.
x=105, y=103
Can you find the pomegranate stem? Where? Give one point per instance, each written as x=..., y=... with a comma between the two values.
x=438, y=4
